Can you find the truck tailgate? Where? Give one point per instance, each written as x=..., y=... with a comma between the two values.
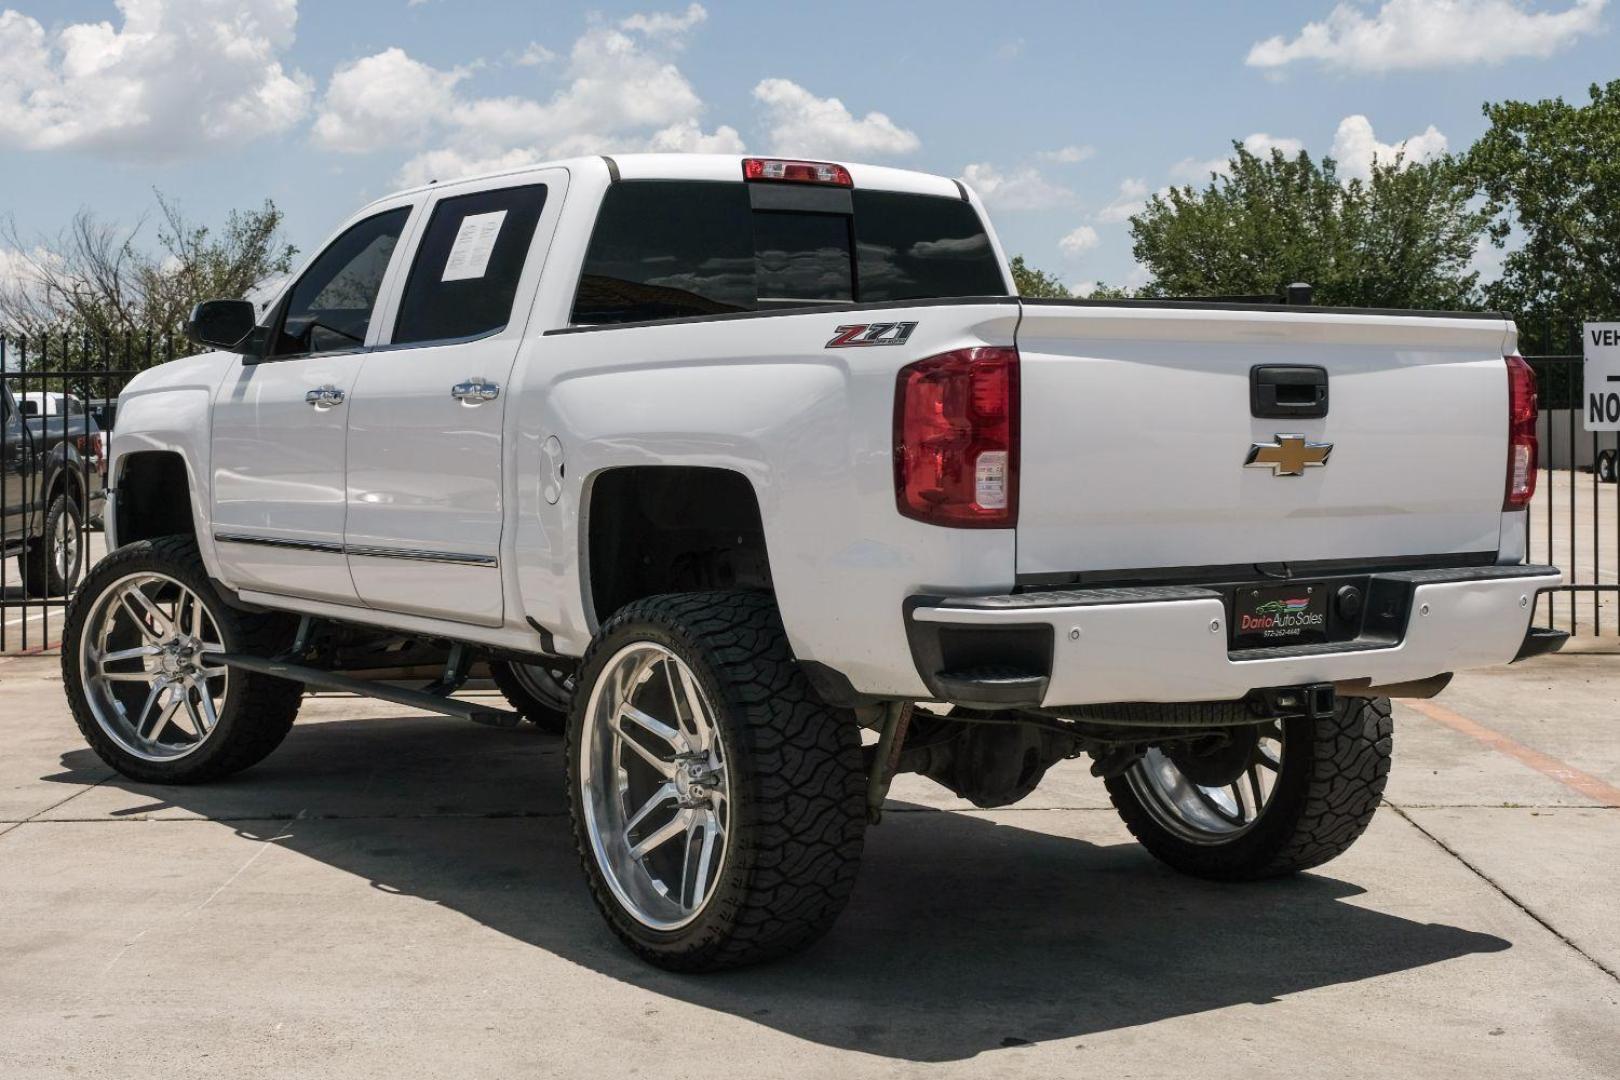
x=1137, y=424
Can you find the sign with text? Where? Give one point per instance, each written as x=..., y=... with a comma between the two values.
x=1602, y=397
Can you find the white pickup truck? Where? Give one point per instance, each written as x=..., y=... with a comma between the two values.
x=717, y=463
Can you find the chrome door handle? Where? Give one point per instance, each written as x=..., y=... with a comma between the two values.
x=475, y=391
x=325, y=397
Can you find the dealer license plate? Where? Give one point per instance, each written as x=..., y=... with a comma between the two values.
x=1279, y=615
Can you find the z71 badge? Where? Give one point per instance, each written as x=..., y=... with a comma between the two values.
x=861, y=335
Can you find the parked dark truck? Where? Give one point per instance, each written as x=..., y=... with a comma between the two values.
x=51, y=481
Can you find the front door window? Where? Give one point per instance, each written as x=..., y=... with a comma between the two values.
x=331, y=306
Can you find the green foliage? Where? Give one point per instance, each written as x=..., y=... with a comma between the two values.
x=1550, y=172
x=1037, y=284
x=1403, y=238
x=96, y=282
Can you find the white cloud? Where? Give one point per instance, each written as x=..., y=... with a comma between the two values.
x=1416, y=34
x=1082, y=290
x=1132, y=200
x=177, y=76
x=621, y=92
x=688, y=138
x=1355, y=147
x=535, y=54
x=1080, y=241
x=447, y=163
x=19, y=272
x=1021, y=189
x=384, y=100
x=803, y=124
x=663, y=24
x=1260, y=144
x=1068, y=155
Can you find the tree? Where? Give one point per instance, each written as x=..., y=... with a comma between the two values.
x=1403, y=238
x=1550, y=172
x=96, y=281
x=1037, y=284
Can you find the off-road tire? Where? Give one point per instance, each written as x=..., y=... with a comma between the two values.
x=541, y=714
x=40, y=575
x=1332, y=779
x=258, y=711
x=797, y=805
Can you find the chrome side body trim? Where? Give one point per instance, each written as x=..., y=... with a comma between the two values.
x=457, y=558
x=279, y=542
x=452, y=557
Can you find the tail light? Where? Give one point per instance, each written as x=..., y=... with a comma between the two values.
x=796, y=172
x=956, y=439
x=89, y=446
x=1522, y=412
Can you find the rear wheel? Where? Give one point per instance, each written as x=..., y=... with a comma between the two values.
x=51, y=567
x=718, y=804
x=1260, y=801
x=1606, y=469
x=142, y=692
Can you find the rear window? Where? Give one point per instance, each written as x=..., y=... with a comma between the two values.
x=468, y=264
x=912, y=247
x=665, y=249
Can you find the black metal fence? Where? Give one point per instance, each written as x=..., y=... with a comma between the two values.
x=1575, y=519
x=58, y=404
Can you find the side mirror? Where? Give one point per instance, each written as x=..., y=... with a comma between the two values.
x=222, y=324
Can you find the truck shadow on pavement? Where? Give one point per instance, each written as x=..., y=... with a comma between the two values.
x=965, y=934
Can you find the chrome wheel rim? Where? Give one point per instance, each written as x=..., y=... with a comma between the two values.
x=66, y=549
x=552, y=687
x=1210, y=813
x=140, y=662
x=654, y=787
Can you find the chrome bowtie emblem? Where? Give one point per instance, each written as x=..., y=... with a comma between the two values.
x=1290, y=455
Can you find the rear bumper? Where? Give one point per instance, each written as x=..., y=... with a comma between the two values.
x=1084, y=647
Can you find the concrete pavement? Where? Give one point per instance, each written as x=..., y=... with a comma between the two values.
x=397, y=895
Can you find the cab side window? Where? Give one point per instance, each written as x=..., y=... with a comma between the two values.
x=467, y=266
x=330, y=308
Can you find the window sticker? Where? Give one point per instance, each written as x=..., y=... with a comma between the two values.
x=475, y=241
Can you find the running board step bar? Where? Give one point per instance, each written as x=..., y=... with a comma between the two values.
x=331, y=680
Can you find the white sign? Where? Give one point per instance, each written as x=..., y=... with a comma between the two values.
x=1602, y=400
x=475, y=241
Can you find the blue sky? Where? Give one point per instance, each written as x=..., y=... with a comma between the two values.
x=1063, y=115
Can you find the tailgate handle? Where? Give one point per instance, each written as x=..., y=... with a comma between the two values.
x=1288, y=391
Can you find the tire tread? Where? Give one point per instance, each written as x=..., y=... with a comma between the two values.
x=1314, y=818
x=807, y=797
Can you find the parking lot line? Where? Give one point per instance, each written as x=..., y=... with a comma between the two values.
x=1574, y=779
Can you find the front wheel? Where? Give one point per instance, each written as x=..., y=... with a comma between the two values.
x=135, y=663
x=1263, y=800
x=718, y=805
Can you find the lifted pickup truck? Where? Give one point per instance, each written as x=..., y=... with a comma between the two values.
x=719, y=462
x=50, y=480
